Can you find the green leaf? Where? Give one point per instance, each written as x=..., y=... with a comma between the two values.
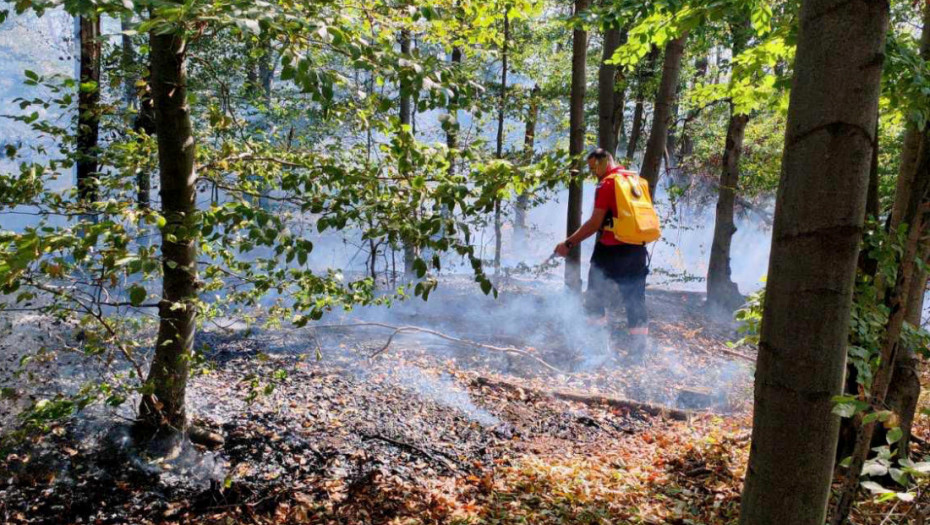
x=137, y=295
x=894, y=435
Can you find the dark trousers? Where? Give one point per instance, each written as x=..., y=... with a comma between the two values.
x=618, y=274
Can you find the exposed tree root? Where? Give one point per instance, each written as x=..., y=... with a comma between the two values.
x=648, y=408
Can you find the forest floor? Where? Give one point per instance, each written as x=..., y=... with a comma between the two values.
x=430, y=430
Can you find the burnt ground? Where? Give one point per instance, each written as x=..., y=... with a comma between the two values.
x=417, y=434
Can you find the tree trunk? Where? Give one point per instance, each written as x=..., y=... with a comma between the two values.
x=88, y=130
x=645, y=71
x=529, y=138
x=266, y=69
x=661, y=114
x=128, y=62
x=145, y=123
x=636, y=128
x=498, y=241
x=406, y=96
x=896, y=302
x=904, y=389
x=802, y=349
x=686, y=146
x=576, y=147
x=452, y=126
x=722, y=292
x=606, y=94
x=162, y=410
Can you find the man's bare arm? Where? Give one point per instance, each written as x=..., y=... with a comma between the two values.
x=589, y=228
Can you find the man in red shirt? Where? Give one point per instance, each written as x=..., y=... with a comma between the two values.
x=618, y=270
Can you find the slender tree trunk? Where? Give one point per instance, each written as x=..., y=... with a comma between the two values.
x=619, y=103
x=896, y=302
x=722, y=292
x=128, y=62
x=266, y=69
x=576, y=147
x=145, y=123
x=529, y=138
x=406, y=97
x=645, y=72
x=904, y=389
x=665, y=99
x=802, y=349
x=162, y=410
x=498, y=241
x=88, y=130
x=636, y=127
x=606, y=93
x=687, y=143
x=452, y=126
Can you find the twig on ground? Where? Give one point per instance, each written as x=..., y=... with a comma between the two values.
x=401, y=329
x=443, y=460
x=648, y=408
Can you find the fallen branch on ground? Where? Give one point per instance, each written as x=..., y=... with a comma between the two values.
x=401, y=329
x=648, y=408
x=443, y=460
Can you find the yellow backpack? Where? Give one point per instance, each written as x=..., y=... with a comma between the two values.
x=637, y=221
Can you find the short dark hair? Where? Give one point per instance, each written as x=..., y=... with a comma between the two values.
x=598, y=153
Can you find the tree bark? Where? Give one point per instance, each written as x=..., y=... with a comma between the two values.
x=896, y=302
x=576, y=147
x=636, y=128
x=145, y=123
x=802, y=349
x=162, y=410
x=722, y=292
x=661, y=114
x=410, y=252
x=452, y=127
x=607, y=94
x=88, y=127
x=529, y=138
x=644, y=73
x=498, y=241
x=127, y=62
x=904, y=389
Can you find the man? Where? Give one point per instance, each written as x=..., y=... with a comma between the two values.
x=618, y=269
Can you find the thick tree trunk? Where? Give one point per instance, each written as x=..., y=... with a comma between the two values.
x=498, y=240
x=406, y=99
x=802, y=349
x=162, y=410
x=529, y=138
x=88, y=129
x=722, y=292
x=607, y=94
x=576, y=147
x=661, y=114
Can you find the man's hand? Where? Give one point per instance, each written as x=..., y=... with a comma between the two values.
x=562, y=249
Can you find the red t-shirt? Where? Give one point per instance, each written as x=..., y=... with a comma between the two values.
x=606, y=199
